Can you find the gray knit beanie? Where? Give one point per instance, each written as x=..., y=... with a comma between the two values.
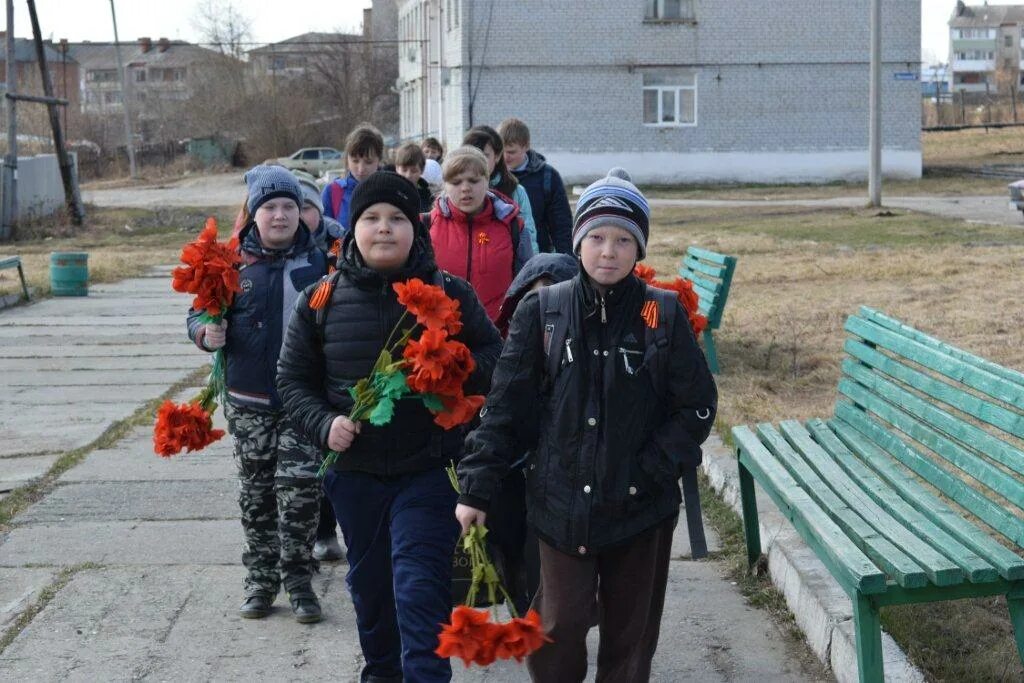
x=267, y=182
x=613, y=200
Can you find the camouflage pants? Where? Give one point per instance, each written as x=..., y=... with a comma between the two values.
x=279, y=495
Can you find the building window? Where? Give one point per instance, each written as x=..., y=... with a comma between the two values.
x=669, y=10
x=458, y=10
x=112, y=97
x=670, y=98
x=448, y=14
x=1008, y=40
x=976, y=55
x=140, y=76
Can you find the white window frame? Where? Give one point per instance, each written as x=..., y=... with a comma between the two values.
x=654, y=10
x=676, y=89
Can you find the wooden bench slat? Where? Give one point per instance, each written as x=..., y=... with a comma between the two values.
x=880, y=549
x=958, y=370
x=917, y=418
x=9, y=261
x=976, y=567
x=922, y=338
x=712, y=256
x=846, y=562
x=711, y=286
x=705, y=296
x=953, y=487
x=700, y=267
x=1009, y=564
x=940, y=568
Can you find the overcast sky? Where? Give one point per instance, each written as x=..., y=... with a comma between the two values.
x=275, y=20
x=272, y=20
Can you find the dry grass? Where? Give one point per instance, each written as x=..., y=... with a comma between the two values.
x=800, y=273
x=120, y=242
x=973, y=147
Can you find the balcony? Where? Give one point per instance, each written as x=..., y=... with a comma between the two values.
x=974, y=65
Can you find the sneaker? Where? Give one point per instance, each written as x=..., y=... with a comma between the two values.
x=305, y=606
x=328, y=550
x=256, y=606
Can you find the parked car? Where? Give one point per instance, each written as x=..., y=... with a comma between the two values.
x=314, y=160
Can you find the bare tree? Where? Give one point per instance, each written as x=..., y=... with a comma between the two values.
x=221, y=23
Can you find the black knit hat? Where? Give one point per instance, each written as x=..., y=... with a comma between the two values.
x=613, y=200
x=387, y=187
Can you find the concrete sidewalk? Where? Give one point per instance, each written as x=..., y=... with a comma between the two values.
x=138, y=557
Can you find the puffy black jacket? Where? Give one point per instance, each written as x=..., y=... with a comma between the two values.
x=271, y=281
x=548, y=202
x=318, y=366
x=610, y=446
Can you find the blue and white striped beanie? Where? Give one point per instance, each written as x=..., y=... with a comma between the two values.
x=613, y=200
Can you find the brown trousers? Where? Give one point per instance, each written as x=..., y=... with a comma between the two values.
x=625, y=587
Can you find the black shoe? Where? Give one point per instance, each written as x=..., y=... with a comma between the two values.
x=256, y=605
x=305, y=606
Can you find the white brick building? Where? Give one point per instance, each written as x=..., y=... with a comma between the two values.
x=674, y=90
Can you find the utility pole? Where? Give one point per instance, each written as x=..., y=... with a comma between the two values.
x=875, y=97
x=67, y=174
x=10, y=174
x=124, y=98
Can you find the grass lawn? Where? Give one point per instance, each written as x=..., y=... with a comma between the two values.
x=800, y=273
x=120, y=242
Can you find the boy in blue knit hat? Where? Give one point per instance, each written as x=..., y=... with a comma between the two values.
x=626, y=401
x=278, y=491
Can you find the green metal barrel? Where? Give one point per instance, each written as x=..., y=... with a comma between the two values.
x=69, y=273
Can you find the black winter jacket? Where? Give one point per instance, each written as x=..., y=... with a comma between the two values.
x=610, y=449
x=548, y=202
x=315, y=373
x=271, y=281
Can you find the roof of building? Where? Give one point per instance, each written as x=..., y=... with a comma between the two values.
x=301, y=42
x=25, y=51
x=986, y=16
x=178, y=53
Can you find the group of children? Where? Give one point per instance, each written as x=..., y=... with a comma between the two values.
x=598, y=397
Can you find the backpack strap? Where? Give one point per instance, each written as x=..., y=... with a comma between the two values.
x=555, y=317
x=320, y=301
x=425, y=220
x=657, y=339
x=659, y=313
x=547, y=182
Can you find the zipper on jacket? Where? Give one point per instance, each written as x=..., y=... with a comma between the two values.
x=604, y=314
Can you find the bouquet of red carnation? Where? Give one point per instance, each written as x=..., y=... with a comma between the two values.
x=684, y=291
x=431, y=369
x=471, y=635
x=211, y=274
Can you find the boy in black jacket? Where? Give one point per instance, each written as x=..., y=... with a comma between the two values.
x=627, y=401
x=389, y=488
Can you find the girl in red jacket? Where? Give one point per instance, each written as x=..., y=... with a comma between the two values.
x=477, y=234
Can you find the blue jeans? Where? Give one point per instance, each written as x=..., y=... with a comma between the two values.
x=400, y=533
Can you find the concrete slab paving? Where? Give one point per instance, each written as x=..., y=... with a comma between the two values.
x=202, y=542
x=179, y=624
x=133, y=460
x=114, y=350
x=136, y=500
x=82, y=363
x=20, y=588
x=16, y=472
x=107, y=377
x=128, y=396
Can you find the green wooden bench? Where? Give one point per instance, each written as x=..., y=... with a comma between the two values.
x=905, y=492
x=15, y=262
x=711, y=275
